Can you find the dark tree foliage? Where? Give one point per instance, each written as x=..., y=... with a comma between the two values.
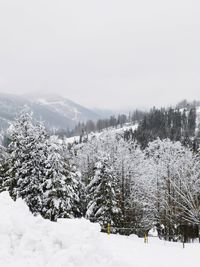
x=175, y=124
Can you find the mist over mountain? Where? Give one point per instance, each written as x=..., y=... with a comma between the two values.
x=55, y=111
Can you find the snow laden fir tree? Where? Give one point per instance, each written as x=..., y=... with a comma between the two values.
x=38, y=172
x=103, y=195
x=61, y=185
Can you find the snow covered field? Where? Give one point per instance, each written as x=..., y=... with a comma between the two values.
x=27, y=241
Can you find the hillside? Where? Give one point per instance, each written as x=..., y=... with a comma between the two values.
x=56, y=112
x=177, y=124
x=114, y=131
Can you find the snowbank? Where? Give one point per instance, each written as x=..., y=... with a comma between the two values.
x=27, y=241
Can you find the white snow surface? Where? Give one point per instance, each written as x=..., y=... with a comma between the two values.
x=28, y=241
x=153, y=232
x=111, y=130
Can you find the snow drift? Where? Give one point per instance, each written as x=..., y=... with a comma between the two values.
x=28, y=241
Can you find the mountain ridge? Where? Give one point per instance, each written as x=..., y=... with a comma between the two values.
x=56, y=111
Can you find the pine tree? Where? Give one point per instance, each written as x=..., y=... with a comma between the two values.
x=26, y=156
x=3, y=166
x=103, y=205
x=192, y=121
x=61, y=186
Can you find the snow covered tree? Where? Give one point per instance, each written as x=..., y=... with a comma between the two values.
x=3, y=166
x=187, y=188
x=38, y=171
x=61, y=186
x=125, y=160
x=103, y=204
x=166, y=159
x=79, y=198
x=157, y=186
x=192, y=121
x=128, y=168
x=26, y=157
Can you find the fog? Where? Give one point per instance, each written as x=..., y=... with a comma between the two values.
x=107, y=54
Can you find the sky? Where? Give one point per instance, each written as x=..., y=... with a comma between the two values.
x=107, y=54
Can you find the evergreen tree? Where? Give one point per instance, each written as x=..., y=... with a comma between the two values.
x=26, y=157
x=103, y=205
x=3, y=166
x=60, y=187
x=192, y=121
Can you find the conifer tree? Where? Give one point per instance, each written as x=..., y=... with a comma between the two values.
x=61, y=186
x=26, y=157
x=103, y=205
x=3, y=166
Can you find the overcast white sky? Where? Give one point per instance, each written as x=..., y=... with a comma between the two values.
x=105, y=53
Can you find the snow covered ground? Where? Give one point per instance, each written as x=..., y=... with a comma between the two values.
x=27, y=241
x=111, y=130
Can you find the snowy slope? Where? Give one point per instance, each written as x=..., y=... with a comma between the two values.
x=112, y=131
x=65, y=107
x=27, y=241
x=55, y=111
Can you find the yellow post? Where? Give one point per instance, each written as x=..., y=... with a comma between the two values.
x=108, y=229
x=145, y=238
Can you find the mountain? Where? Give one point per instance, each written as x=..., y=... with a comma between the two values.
x=65, y=107
x=56, y=112
x=106, y=113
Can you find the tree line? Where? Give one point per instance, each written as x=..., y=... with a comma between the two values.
x=175, y=124
x=114, y=121
x=178, y=124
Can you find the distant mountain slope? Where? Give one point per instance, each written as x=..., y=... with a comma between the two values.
x=56, y=112
x=66, y=108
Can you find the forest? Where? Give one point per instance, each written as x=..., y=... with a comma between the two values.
x=133, y=180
